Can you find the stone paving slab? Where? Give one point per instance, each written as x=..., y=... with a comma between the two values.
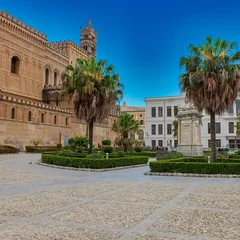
x=24, y=206
x=223, y=225
x=48, y=232
x=106, y=214
x=212, y=201
x=16, y=175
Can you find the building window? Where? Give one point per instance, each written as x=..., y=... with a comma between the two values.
x=66, y=121
x=160, y=129
x=153, y=111
x=55, y=79
x=175, y=143
x=160, y=143
x=230, y=110
x=42, y=118
x=218, y=143
x=15, y=65
x=46, y=76
x=169, y=111
x=153, y=143
x=217, y=127
x=153, y=129
x=160, y=111
x=13, y=113
x=141, y=122
x=175, y=110
x=231, y=127
x=55, y=119
x=57, y=102
x=29, y=116
x=169, y=129
x=140, y=115
x=141, y=135
x=238, y=107
x=132, y=115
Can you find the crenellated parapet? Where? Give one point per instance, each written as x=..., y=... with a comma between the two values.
x=64, y=46
x=56, y=50
x=15, y=24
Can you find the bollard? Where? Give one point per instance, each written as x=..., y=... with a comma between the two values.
x=107, y=155
x=208, y=159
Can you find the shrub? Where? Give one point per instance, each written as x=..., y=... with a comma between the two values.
x=95, y=155
x=70, y=153
x=78, y=144
x=189, y=165
x=36, y=142
x=108, y=149
x=168, y=155
x=106, y=142
x=137, y=149
x=147, y=148
x=40, y=149
x=144, y=153
x=91, y=162
x=116, y=155
x=59, y=146
x=8, y=149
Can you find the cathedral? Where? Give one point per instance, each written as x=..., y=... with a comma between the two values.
x=31, y=106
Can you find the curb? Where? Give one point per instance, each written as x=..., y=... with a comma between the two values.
x=89, y=169
x=192, y=175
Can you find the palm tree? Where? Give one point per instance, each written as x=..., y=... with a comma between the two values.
x=211, y=79
x=94, y=88
x=175, y=128
x=124, y=126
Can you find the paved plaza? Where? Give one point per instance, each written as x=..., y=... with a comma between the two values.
x=42, y=203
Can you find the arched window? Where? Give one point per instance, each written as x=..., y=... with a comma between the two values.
x=55, y=119
x=15, y=65
x=13, y=113
x=29, y=116
x=55, y=79
x=66, y=121
x=57, y=102
x=42, y=118
x=46, y=76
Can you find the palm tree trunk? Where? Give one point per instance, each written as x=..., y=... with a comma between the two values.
x=213, y=137
x=90, y=129
x=125, y=135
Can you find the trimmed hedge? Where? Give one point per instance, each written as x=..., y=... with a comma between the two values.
x=161, y=155
x=92, y=163
x=148, y=154
x=40, y=149
x=200, y=166
x=8, y=149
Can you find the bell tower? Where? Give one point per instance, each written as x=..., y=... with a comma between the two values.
x=88, y=39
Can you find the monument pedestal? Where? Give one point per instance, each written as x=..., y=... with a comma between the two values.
x=189, y=131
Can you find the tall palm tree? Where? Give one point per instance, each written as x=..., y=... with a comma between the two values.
x=211, y=79
x=94, y=88
x=125, y=125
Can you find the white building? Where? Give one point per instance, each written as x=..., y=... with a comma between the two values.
x=161, y=112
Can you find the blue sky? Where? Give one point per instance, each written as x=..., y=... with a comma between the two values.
x=144, y=40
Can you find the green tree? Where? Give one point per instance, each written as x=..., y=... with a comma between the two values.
x=125, y=126
x=94, y=89
x=211, y=79
x=175, y=128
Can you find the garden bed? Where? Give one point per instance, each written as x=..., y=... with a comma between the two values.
x=41, y=149
x=88, y=163
x=196, y=166
x=4, y=149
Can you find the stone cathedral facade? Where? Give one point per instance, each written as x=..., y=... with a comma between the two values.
x=31, y=106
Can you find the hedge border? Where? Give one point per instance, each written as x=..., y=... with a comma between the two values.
x=92, y=163
x=90, y=169
x=195, y=167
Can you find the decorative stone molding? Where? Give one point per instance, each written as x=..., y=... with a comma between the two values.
x=192, y=175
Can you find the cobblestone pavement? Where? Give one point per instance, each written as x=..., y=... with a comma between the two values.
x=43, y=203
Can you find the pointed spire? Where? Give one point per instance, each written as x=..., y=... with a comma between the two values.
x=89, y=23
